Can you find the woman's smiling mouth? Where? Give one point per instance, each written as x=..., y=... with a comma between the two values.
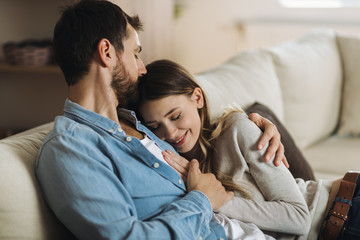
x=181, y=140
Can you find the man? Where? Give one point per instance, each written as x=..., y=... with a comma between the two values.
x=96, y=175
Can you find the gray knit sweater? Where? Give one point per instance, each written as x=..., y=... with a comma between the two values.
x=279, y=205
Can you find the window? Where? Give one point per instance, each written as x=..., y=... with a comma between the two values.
x=319, y=3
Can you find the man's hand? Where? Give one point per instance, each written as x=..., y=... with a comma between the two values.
x=272, y=136
x=208, y=185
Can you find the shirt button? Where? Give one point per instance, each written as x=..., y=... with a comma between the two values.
x=180, y=181
x=120, y=130
x=128, y=139
x=201, y=238
x=221, y=239
x=156, y=165
x=110, y=130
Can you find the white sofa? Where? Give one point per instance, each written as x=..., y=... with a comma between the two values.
x=311, y=84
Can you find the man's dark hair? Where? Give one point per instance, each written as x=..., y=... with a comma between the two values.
x=79, y=30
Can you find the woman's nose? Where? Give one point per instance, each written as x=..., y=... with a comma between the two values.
x=170, y=132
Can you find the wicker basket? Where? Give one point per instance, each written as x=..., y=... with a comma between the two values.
x=29, y=52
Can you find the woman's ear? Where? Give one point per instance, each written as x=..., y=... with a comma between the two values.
x=104, y=49
x=198, y=97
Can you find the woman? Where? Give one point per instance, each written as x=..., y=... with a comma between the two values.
x=174, y=106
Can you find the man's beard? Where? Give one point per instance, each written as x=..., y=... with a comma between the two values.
x=125, y=88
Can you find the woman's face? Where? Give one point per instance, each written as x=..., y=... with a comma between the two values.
x=175, y=119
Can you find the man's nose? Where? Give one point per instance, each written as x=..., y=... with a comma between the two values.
x=141, y=67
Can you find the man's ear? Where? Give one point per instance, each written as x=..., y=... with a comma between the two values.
x=198, y=97
x=105, y=50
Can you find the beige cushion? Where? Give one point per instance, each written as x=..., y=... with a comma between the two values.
x=23, y=212
x=46, y=126
x=310, y=75
x=333, y=157
x=247, y=78
x=350, y=52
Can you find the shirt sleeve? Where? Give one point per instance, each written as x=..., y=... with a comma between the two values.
x=284, y=208
x=89, y=198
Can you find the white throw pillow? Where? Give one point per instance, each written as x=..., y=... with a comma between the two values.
x=244, y=79
x=350, y=53
x=310, y=75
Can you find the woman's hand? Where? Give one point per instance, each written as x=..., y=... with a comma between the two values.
x=272, y=136
x=180, y=164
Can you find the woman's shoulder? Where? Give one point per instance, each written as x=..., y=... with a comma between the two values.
x=238, y=123
x=236, y=116
x=231, y=114
x=237, y=119
x=235, y=122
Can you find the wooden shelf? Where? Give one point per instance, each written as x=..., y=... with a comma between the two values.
x=8, y=68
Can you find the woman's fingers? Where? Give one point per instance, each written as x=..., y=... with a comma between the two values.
x=272, y=136
x=180, y=164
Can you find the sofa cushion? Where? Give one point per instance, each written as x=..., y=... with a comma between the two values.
x=333, y=157
x=43, y=127
x=310, y=75
x=299, y=167
x=350, y=53
x=246, y=78
x=23, y=212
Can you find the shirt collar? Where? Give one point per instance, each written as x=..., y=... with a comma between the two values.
x=128, y=115
x=76, y=111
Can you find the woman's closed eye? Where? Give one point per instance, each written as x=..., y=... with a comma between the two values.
x=156, y=126
x=153, y=127
x=177, y=117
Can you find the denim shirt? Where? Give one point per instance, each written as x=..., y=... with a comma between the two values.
x=103, y=184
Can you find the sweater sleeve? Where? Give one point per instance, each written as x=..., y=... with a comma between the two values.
x=283, y=208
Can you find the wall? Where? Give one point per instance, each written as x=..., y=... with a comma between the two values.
x=157, y=18
x=28, y=100
x=206, y=33
x=32, y=98
x=210, y=31
x=23, y=19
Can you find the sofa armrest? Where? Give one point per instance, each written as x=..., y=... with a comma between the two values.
x=23, y=211
x=46, y=126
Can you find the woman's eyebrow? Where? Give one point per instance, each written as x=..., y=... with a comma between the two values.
x=171, y=111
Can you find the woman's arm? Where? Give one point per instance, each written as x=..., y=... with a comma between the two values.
x=284, y=208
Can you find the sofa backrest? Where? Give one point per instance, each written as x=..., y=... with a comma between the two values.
x=248, y=77
x=349, y=46
x=300, y=81
x=310, y=74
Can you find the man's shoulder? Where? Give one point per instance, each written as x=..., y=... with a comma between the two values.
x=67, y=137
x=62, y=125
x=65, y=127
